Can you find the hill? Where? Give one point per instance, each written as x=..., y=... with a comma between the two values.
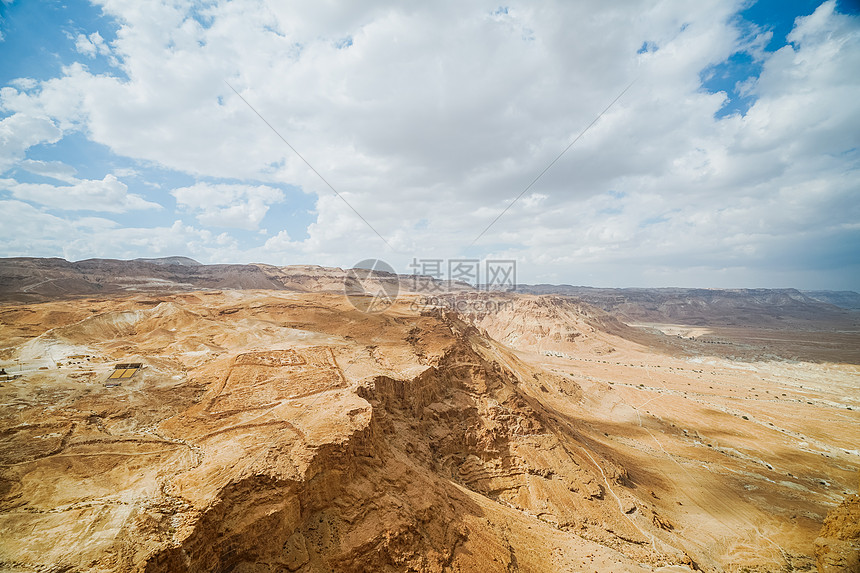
x=274, y=426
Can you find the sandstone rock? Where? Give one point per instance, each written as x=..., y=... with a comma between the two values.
x=837, y=549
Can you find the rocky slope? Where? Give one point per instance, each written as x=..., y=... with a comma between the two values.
x=837, y=549
x=292, y=432
x=547, y=324
x=274, y=430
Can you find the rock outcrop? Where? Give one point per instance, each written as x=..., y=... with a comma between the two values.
x=283, y=431
x=837, y=549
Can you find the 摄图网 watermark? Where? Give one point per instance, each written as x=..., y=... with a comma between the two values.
x=372, y=285
x=436, y=275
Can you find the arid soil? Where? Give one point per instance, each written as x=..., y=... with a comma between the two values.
x=271, y=430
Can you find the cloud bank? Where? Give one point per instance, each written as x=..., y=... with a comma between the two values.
x=430, y=119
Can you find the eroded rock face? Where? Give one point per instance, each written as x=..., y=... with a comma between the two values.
x=291, y=434
x=394, y=493
x=837, y=549
x=272, y=431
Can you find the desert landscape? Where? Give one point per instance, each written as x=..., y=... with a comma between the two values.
x=272, y=426
x=430, y=287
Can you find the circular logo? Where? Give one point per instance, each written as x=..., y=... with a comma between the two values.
x=371, y=285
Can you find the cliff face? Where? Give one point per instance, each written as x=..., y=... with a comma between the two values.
x=837, y=549
x=284, y=431
x=295, y=433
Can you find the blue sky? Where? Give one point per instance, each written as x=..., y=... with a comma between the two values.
x=731, y=162
x=775, y=17
x=39, y=40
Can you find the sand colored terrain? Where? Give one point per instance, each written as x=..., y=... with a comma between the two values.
x=283, y=431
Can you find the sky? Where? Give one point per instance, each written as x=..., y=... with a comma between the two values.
x=331, y=132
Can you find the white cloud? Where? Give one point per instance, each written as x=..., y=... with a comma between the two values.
x=24, y=84
x=53, y=169
x=28, y=231
x=436, y=116
x=92, y=45
x=109, y=195
x=19, y=132
x=222, y=205
x=32, y=232
x=126, y=172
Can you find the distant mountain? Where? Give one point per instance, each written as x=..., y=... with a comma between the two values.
x=28, y=279
x=25, y=279
x=171, y=261
x=841, y=298
x=772, y=308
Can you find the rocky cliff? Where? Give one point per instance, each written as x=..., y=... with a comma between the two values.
x=272, y=430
